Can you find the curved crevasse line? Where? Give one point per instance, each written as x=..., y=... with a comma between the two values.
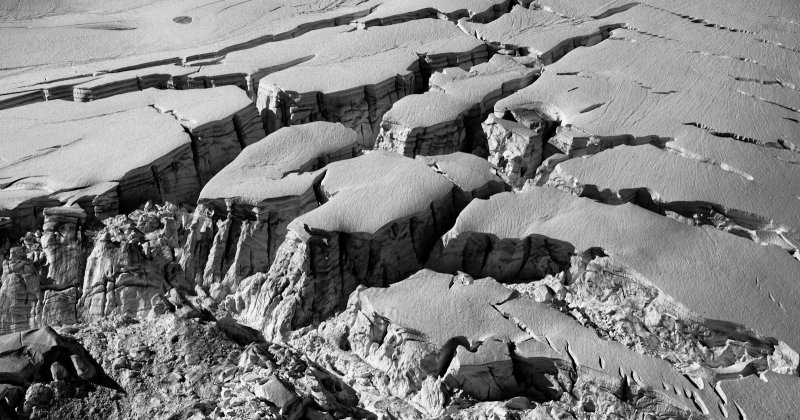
x=701, y=21
x=778, y=144
x=485, y=16
x=615, y=10
x=765, y=100
x=683, y=152
x=558, y=51
x=741, y=223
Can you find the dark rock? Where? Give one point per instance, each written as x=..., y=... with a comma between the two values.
x=38, y=395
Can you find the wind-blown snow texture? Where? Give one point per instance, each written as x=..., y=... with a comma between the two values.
x=461, y=209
